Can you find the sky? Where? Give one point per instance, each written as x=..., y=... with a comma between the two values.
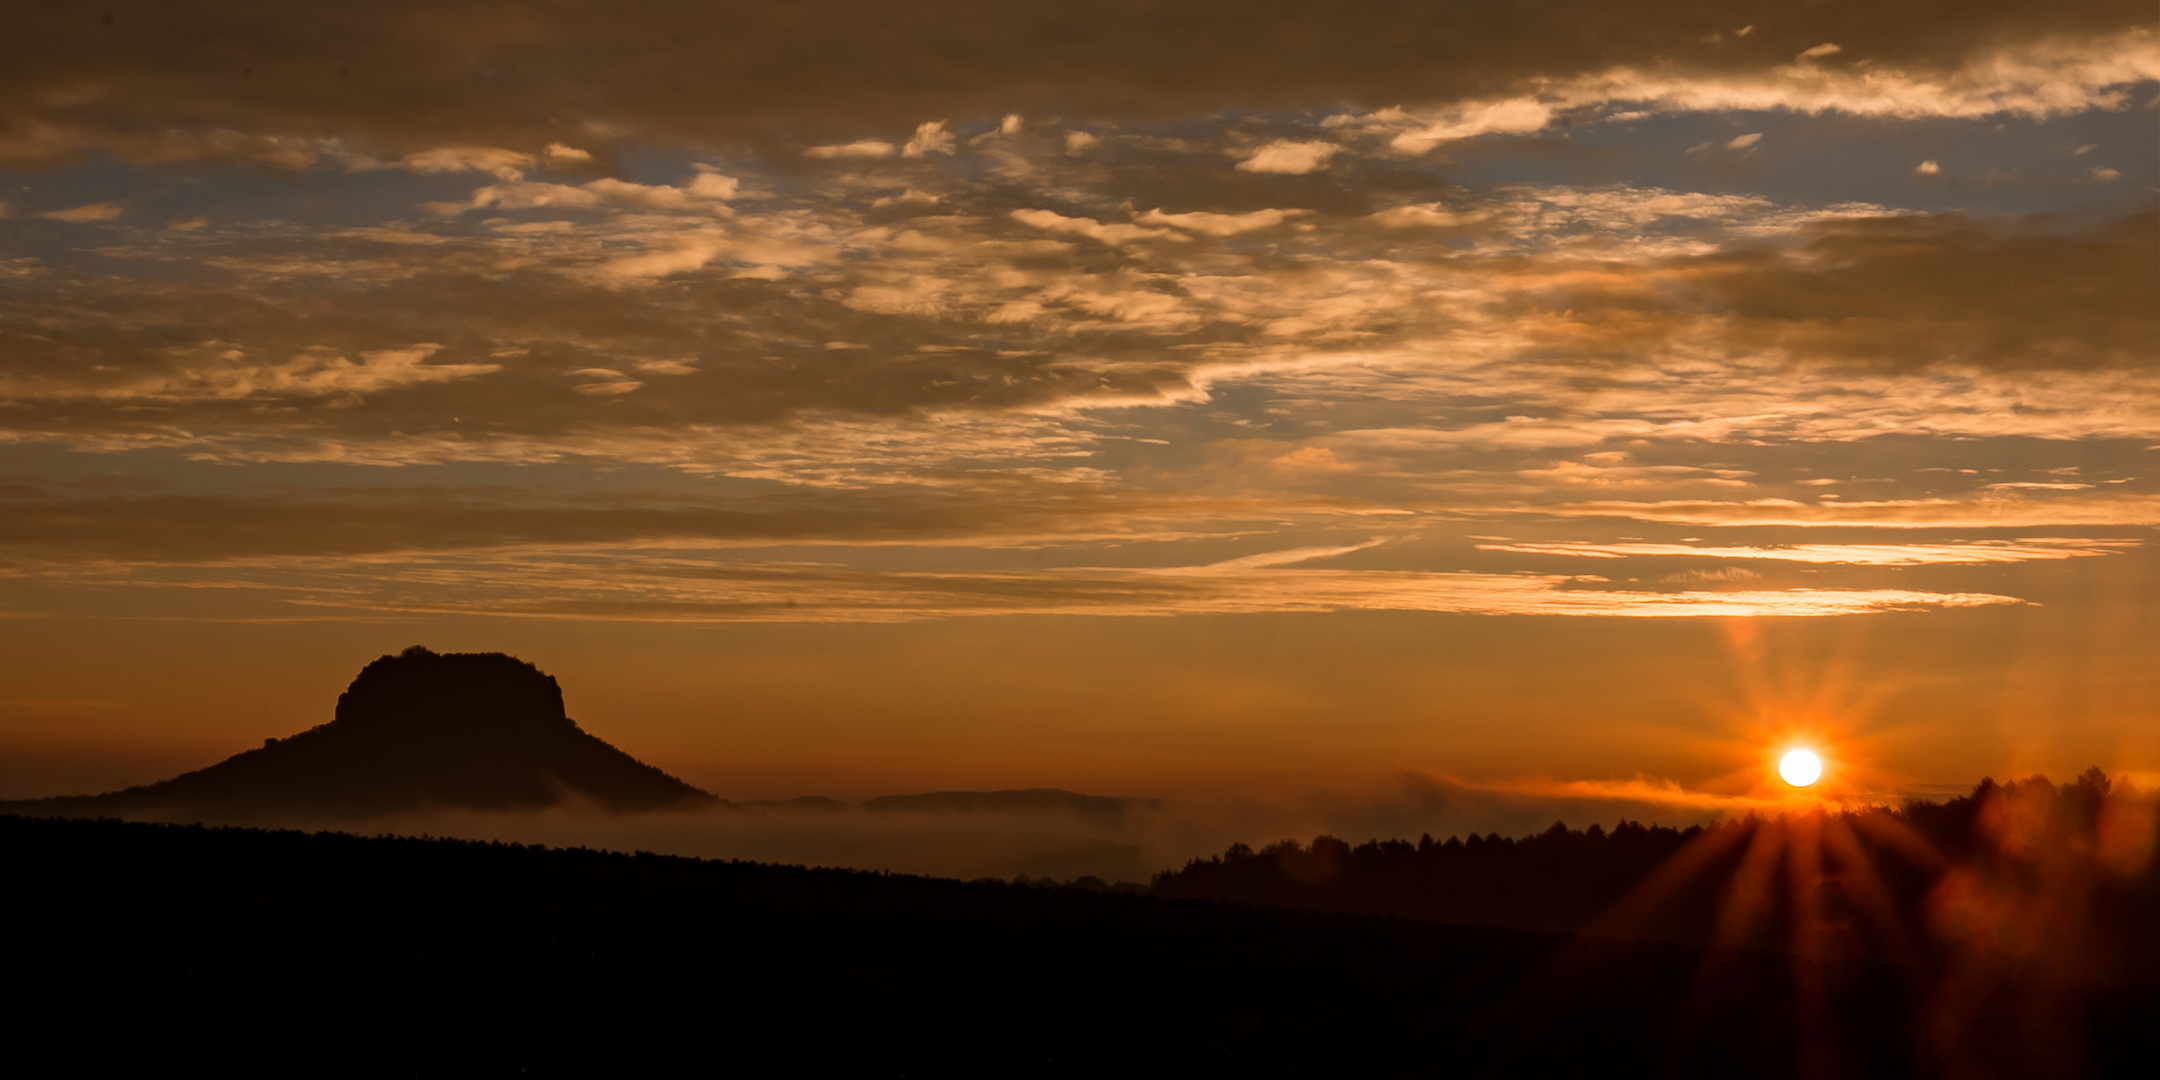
x=1262, y=402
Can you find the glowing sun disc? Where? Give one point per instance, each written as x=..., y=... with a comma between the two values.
x=1800, y=768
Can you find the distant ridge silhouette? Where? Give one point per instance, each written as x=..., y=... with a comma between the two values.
x=801, y=804
x=421, y=729
x=1105, y=810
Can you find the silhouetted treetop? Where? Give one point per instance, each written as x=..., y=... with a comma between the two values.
x=1558, y=879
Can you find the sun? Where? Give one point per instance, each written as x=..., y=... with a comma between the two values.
x=1800, y=767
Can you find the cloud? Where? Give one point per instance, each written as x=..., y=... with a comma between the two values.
x=929, y=138
x=1580, y=316
x=157, y=85
x=1211, y=224
x=506, y=165
x=710, y=184
x=703, y=194
x=681, y=254
x=865, y=148
x=665, y=367
x=1182, y=348
x=603, y=382
x=1285, y=558
x=700, y=193
x=556, y=153
x=1288, y=157
x=1724, y=575
x=653, y=582
x=2002, y=513
x=2036, y=77
x=1978, y=551
x=89, y=212
x=1432, y=215
x=224, y=372
x=1052, y=221
x=1518, y=116
x=235, y=531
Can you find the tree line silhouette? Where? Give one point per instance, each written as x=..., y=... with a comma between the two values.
x=1559, y=879
x=2030, y=836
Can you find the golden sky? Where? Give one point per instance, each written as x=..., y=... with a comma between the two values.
x=1238, y=398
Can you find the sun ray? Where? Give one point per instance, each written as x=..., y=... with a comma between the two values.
x=1631, y=917
x=1899, y=837
x=1743, y=905
x=1864, y=886
x=1814, y=944
x=1633, y=911
x=1747, y=900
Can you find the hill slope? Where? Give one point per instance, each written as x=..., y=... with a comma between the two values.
x=480, y=731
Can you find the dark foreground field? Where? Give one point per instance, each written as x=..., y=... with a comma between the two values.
x=254, y=952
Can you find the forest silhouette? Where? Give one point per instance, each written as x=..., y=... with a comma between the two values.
x=2007, y=917
x=1566, y=879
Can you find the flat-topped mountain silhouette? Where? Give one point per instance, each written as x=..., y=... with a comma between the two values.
x=419, y=730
